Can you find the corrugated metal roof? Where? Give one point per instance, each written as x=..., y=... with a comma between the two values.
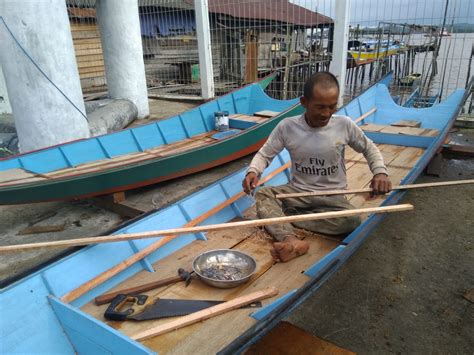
x=271, y=10
x=274, y=10
x=179, y=4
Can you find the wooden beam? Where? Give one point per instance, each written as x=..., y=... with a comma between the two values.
x=99, y=279
x=365, y=115
x=206, y=313
x=368, y=189
x=213, y=227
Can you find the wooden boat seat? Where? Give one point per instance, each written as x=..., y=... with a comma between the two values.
x=258, y=117
x=266, y=113
x=400, y=129
x=255, y=119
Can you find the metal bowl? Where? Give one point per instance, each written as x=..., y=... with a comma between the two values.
x=224, y=268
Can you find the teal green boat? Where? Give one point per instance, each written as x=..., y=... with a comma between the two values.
x=140, y=156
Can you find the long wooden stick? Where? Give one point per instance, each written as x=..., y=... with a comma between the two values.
x=368, y=189
x=101, y=278
x=206, y=228
x=206, y=313
x=365, y=115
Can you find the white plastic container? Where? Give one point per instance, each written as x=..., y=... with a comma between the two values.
x=221, y=121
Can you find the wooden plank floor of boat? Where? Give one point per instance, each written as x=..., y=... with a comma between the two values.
x=215, y=333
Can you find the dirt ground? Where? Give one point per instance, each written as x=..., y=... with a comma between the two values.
x=401, y=292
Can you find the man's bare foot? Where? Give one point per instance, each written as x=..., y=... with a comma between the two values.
x=288, y=249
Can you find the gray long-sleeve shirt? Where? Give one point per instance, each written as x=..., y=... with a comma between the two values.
x=317, y=154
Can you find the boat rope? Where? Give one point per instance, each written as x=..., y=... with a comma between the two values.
x=39, y=68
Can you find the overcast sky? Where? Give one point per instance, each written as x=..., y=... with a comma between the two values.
x=370, y=12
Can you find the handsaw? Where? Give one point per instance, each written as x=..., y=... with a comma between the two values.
x=142, y=307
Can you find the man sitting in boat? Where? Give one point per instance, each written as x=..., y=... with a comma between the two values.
x=315, y=141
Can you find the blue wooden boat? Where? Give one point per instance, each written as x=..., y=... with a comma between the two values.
x=44, y=313
x=416, y=100
x=144, y=155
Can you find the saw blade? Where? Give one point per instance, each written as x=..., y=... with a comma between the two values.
x=163, y=308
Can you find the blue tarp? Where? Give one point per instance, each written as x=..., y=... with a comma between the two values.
x=165, y=24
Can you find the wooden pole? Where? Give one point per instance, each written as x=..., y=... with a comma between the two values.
x=365, y=115
x=368, y=189
x=99, y=279
x=206, y=314
x=212, y=227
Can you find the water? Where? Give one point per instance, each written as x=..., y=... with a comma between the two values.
x=452, y=66
x=453, y=62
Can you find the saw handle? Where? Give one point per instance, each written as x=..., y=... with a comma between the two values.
x=114, y=310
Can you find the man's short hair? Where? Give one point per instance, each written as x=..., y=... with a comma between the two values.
x=323, y=78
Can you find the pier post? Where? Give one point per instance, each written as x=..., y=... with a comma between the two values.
x=201, y=9
x=121, y=39
x=41, y=76
x=341, y=36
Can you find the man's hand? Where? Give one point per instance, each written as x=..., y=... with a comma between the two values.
x=250, y=182
x=380, y=184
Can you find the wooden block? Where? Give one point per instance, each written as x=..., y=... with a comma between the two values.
x=391, y=130
x=459, y=149
x=118, y=197
x=469, y=295
x=120, y=207
x=42, y=229
x=407, y=123
x=372, y=127
x=266, y=113
x=287, y=338
x=435, y=166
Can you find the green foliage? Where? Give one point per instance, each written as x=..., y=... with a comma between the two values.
x=5, y=151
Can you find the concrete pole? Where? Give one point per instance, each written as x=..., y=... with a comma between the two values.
x=341, y=36
x=5, y=106
x=44, y=115
x=201, y=10
x=119, y=26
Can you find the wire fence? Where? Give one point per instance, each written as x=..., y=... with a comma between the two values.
x=427, y=45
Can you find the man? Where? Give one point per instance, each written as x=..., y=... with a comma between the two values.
x=315, y=141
